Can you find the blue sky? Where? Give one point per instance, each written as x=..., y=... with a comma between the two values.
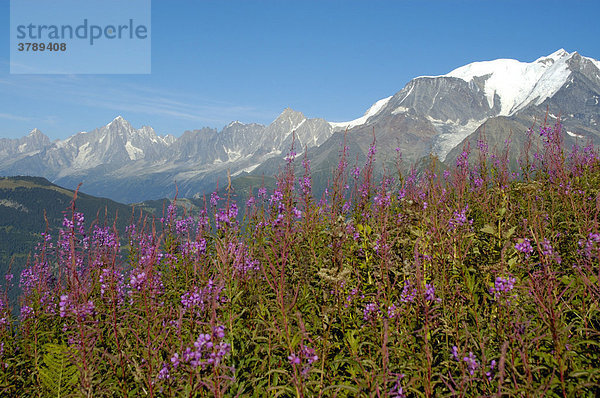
x=218, y=61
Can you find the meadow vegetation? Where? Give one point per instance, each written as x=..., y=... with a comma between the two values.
x=479, y=281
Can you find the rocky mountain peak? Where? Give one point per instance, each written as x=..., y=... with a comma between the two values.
x=431, y=114
x=291, y=115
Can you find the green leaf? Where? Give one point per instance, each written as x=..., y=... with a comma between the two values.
x=488, y=229
x=59, y=375
x=509, y=233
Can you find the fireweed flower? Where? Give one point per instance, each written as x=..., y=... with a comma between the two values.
x=381, y=248
x=372, y=151
x=397, y=391
x=104, y=237
x=401, y=194
x=26, y=312
x=491, y=373
x=430, y=293
x=226, y=217
x=197, y=299
x=455, y=352
x=305, y=358
x=142, y=283
x=477, y=181
x=364, y=190
x=294, y=359
x=351, y=296
x=214, y=199
x=112, y=279
x=462, y=161
x=546, y=132
x=502, y=287
x=309, y=354
x=241, y=259
x=471, y=362
x=346, y=206
x=524, y=247
x=262, y=193
x=206, y=351
x=482, y=145
x=164, y=372
x=171, y=215
x=586, y=246
x=3, y=313
x=392, y=311
x=408, y=293
x=548, y=251
x=290, y=156
x=175, y=360
x=182, y=226
x=193, y=248
x=371, y=312
x=297, y=213
x=68, y=307
x=276, y=197
x=305, y=185
x=137, y=280
x=383, y=201
x=63, y=305
x=459, y=219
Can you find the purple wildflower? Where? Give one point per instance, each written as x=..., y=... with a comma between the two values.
x=294, y=359
x=430, y=293
x=586, y=246
x=262, y=192
x=371, y=312
x=26, y=312
x=459, y=218
x=471, y=362
x=490, y=374
x=175, y=360
x=397, y=391
x=524, y=247
x=214, y=199
x=502, y=286
x=164, y=373
x=408, y=293
x=455, y=352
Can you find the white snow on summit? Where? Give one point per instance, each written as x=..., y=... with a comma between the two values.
x=372, y=111
x=518, y=83
x=134, y=153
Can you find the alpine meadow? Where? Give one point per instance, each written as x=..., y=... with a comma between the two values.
x=477, y=281
x=298, y=199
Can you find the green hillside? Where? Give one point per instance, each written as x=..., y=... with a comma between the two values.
x=23, y=201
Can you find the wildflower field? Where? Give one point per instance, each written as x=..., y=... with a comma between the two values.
x=478, y=281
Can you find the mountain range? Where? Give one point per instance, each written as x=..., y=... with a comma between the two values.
x=430, y=115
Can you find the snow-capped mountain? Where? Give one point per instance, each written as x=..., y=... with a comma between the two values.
x=372, y=111
x=517, y=84
x=34, y=141
x=431, y=114
x=435, y=114
x=129, y=164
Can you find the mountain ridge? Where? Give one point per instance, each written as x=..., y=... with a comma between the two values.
x=431, y=114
